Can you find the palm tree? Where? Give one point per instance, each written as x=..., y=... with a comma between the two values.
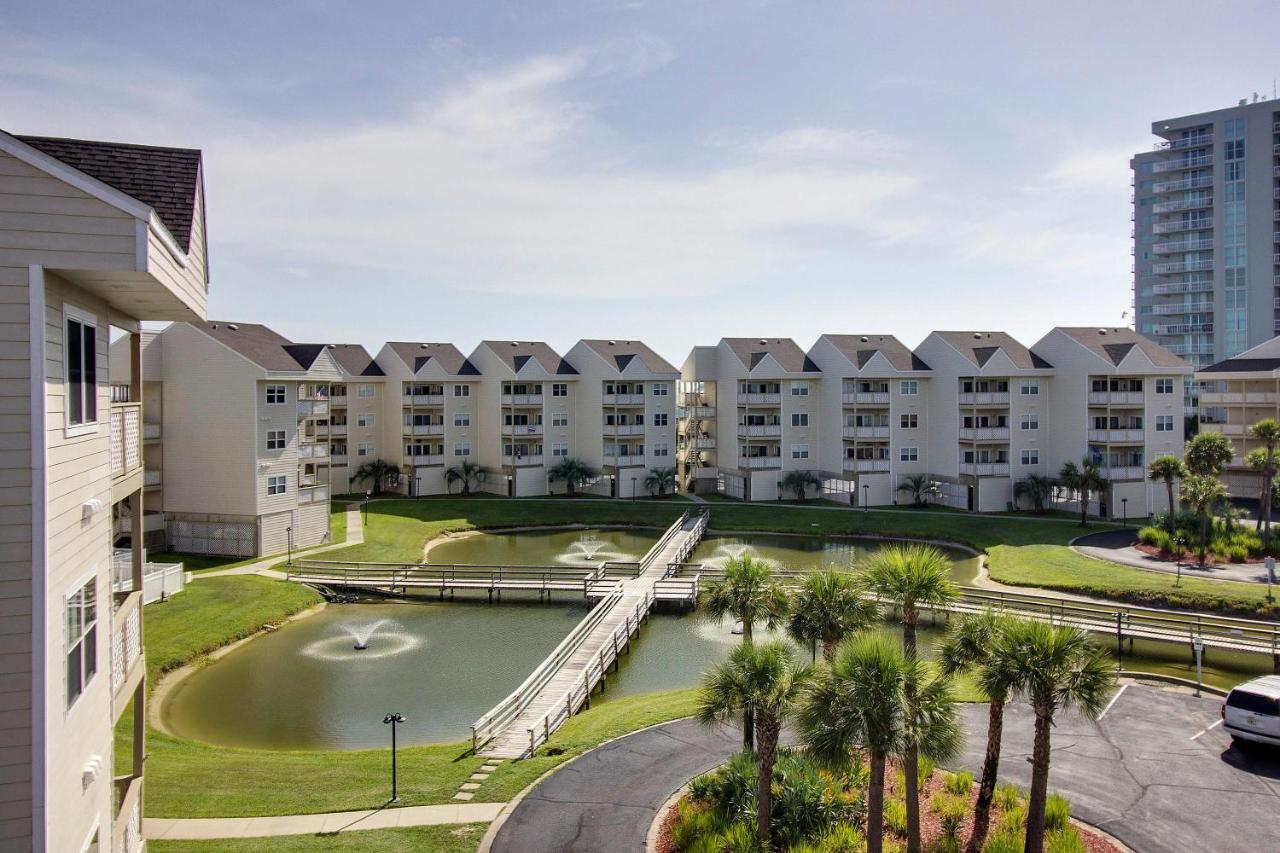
x=747, y=592
x=1083, y=479
x=768, y=679
x=1166, y=469
x=574, y=473
x=469, y=474
x=1035, y=488
x=1208, y=453
x=1202, y=494
x=1267, y=433
x=828, y=607
x=378, y=472
x=799, y=483
x=865, y=700
x=910, y=577
x=658, y=480
x=921, y=489
x=1057, y=669
x=968, y=648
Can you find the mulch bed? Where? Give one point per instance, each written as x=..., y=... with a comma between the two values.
x=1215, y=561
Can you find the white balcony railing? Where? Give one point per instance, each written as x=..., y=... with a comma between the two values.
x=337, y=429
x=312, y=408
x=126, y=642
x=1115, y=398
x=984, y=433
x=150, y=430
x=760, y=431
x=631, y=461
x=1193, y=162
x=1199, y=223
x=866, y=432
x=1173, y=267
x=427, y=429
x=422, y=399
x=624, y=429
x=522, y=399
x=1193, y=183
x=307, y=450
x=700, y=411
x=125, y=425
x=761, y=399
x=1182, y=246
x=702, y=443
x=426, y=459
x=871, y=398
x=1167, y=287
x=523, y=461
x=522, y=429
x=151, y=479
x=316, y=494
x=1190, y=349
x=1173, y=205
x=1199, y=140
x=985, y=469
x=985, y=398
x=1118, y=436
x=1176, y=308
x=337, y=459
x=866, y=465
x=757, y=462
x=624, y=399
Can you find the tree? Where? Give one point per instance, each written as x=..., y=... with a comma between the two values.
x=921, y=489
x=1267, y=433
x=658, y=480
x=1056, y=668
x=799, y=483
x=1208, y=453
x=469, y=474
x=1084, y=479
x=379, y=473
x=967, y=648
x=747, y=592
x=768, y=679
x=865, y=700
x=1202, y=494
x=827, y=608
x=910, y=577
x=1166, y=469
x=1035, y=488
x=574, y=473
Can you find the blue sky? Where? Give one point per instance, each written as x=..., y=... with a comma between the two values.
x=671, y=171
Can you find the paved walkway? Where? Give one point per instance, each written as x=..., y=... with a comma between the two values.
x=173, y=829
x=263, y=567
x=1116, y=546
x=1147, y=772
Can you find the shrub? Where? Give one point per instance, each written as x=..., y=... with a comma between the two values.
x=739, y=837
x=730, y=791
x=952, y=810
x=1237, y=553
x=1065, y=840
x=924, y=771
x=945, y=844
x=1003, y=842
x=1057, y=812
x=805, y=806
x=842, y=838
x=691, y=823
x=704, y=844
x=1151, y=535
x=1006, y=796
x=895, y=816
x=960, y=784
x=1014, y=820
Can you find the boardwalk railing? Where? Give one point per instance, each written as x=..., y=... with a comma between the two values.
x=484, y=729
x=673, y=531
x=405, y=576
x=579, y=693
x=689, y=544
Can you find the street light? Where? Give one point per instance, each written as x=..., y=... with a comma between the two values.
x=1198, y=645
x=392, y=720
x=289, y=533
x=417, y=487
x=367, y=493
x=633, y=488
x=866, y=497
x=1179, y=544
x=1124, y=512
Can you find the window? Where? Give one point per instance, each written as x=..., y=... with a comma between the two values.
x=1031, y=457
x=462, y=419
x=81, y=638
x=1164, y=423
x=277, y=485
x=800, y=419
x=799, y=451
x=364, y=448
x=82, y=368
x=364, y=420
x=908, y=454
x=462, y=449
x=799, y=389
x=276, y=395
x=909, y=421
x=559, y=419
x=1164, y=386
x=660, y=419
x=364, y=389
x=559, y=389
x=462, y=390
x=661, y=449
x=659, y=389
x=1031, y=422
x=1029, y=388
x=909, y=387
x=560, y=449
x=275, y=439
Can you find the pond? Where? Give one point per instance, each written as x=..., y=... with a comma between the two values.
x=443, y=664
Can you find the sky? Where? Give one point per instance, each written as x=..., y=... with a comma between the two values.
x=670, y=171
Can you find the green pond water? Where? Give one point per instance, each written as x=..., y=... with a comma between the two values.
x=443, y=664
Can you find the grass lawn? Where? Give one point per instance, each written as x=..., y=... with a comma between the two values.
x=450, y=838
x=199, y=562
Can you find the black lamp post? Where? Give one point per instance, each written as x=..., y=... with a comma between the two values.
x=866, y=497
x=633, y=488
x=392, y=720
x=1178, y=545
x=288, y=531
x=1124, y=512
x=366, y=506
x=417, y=487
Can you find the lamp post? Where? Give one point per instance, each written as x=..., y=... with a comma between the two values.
x=1124, y=512
x=367, y=493
x=288, y=531
x=633, y=488
x=392, y=720
x=866, y=497
x=417, y=487
x=1198, y=645
x=1179, y=544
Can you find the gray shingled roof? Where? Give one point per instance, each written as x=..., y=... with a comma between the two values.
x=1113, y=344
x=516, y=354
x=164, y=179
x=979, y=347
x=355, y=360
x=860, y=349
x=751, y=351
x=415, y=354
x=1243, y=365
x=264, y=347
x=620, y=354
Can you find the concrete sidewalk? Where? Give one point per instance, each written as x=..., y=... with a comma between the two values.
x=1117, y=546
x=355, y=536
x=175, y=829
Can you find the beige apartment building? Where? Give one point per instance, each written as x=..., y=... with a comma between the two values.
x=95, y=237
x=1235, y=394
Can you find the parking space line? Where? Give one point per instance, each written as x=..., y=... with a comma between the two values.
x=1123, y=688
x=1207, y=729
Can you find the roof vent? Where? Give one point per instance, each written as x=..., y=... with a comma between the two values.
x=1102, y=331
x=764, y=342
x=613, y=343
x=515, y=343
x=864, y=339
x=233, y=327
x=977, y=336
x=425, y=346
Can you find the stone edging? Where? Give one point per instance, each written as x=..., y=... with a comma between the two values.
x=651, y=837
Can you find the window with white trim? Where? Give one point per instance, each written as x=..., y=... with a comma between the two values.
x=660, y=419
x=81, y=638
x=909, y=421
x=799, y=451
x=1031, y=457
x=1164, y=386
x=462, y=419
x=560, y=448
x=276, y=395
x=909, y=387
x=365, y=448
x=81, y=358
x=908, y=454
x=661, y=448
x=1029, y=388
x=799, y=419
x=364, y=389
x=275, y=439
x=799, y=389
x=462, y=390
x=365, y=419
x=559, y=419
x=277, y=484
x=659, y=389
x=1031, y=422
x=462, y=449
x=1164, y=423
x=559, y=389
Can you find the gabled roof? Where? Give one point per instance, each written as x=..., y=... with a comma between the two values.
x=979, y=347
x=860, y=349
x=355, y=360
x=1113, y=344
x=516, y=354
x=164, y=179
x=274, y=352
x=788, y=355
x=450, y=359
x=1243, y=365
x=620, y=354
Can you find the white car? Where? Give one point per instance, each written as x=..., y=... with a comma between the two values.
x=1252, y=711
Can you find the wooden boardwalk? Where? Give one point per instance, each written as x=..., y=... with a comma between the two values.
x=564, y=682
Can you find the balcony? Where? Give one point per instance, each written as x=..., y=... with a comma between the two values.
x=760, y=399
x=865, y=398
x=1182, y=184
x=761, y=462
x=337, y=459
x=702, y=443
x=1182, y=308
x=1168, y=287
x=1197, y=224
x=624, y=461
x=312, y=408
x=1118, y=436
x=150, y=430
x=1182, y=246
x=1173, y=267
x=985, y=469
x=313, y=451
x=623, y=429
x=422, y=399
x=700, y=411
x=151, y=479
x=424, y=460
x=760, y=431
x=1126, y=472
x=984, y=433
x=1190, y=349
x=1194, y=162
x=1177, y=204
x=518, y=429
x=315, y=494
x=1116, y=398
x=1198, y=141
x=985, y=398
x=1182, y=328
x=125, y=424
x=126, y=650
x=126, y=830
x=522, y=461
x=522, y=399
x=426, y=429
x=866, y=432
x=337, y=429
x=624, y=399
x=866, y=465
x=1220, y=397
